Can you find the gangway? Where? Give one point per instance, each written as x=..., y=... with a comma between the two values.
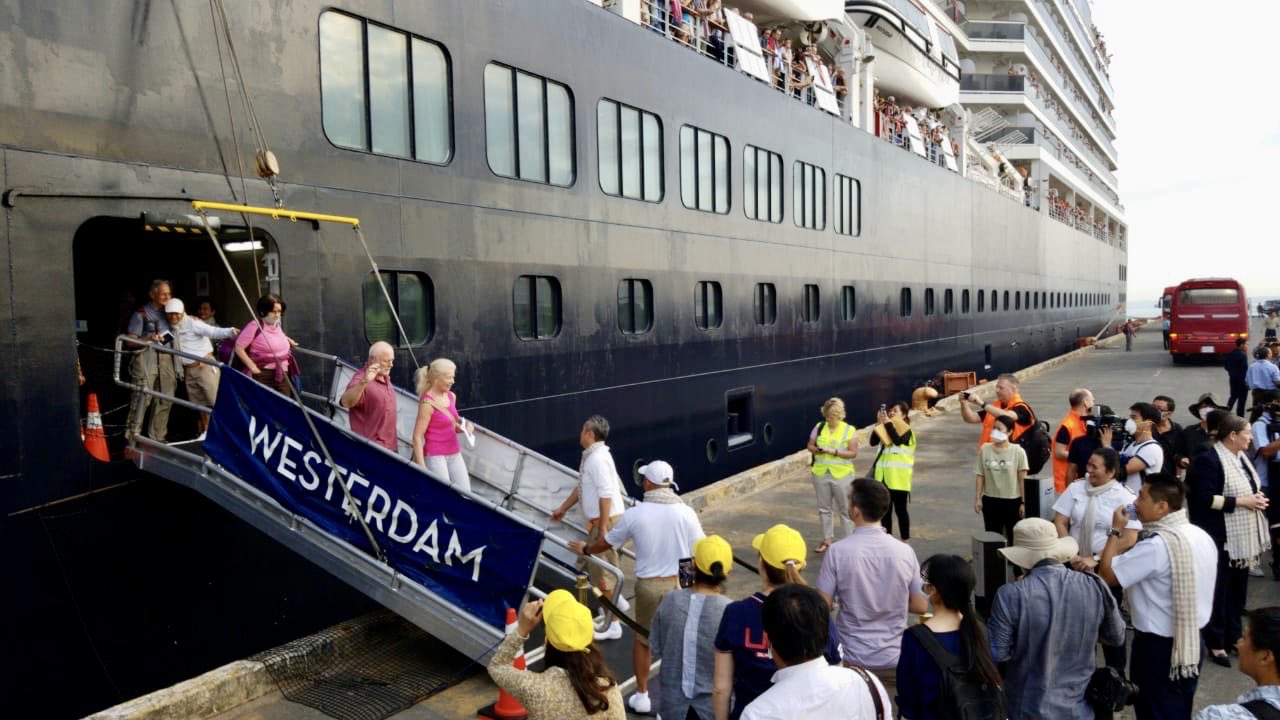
x=438, y=582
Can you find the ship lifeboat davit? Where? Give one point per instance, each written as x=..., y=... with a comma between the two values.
x=914, y=58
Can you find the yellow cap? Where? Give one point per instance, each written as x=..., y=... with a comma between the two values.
x=779, y=544
x=710, y=550
x=568, y=622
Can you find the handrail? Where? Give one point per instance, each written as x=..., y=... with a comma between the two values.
x=274, y=212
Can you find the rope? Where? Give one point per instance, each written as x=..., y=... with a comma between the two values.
x=349, y=503
x=385, y=294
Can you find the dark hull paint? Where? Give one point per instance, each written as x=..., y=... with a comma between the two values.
x=140, y=585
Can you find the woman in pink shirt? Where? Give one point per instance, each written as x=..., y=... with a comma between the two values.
x=435, y=434
x=264, y=348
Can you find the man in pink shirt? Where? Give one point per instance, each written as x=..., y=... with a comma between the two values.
x=370, y=399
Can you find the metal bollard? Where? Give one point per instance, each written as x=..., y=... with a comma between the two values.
x=1040, y=496
x=990, y=567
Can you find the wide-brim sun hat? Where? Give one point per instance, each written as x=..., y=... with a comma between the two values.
x=1036, y=539
x=1205, y=399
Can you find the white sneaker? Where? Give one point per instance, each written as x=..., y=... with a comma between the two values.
x=1253, y=572
x=613, y=632
x=639, y=702
x=622, y=603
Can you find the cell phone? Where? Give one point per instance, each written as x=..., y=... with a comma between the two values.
x=1131, y=512
x=686, y=572
x=883, y=407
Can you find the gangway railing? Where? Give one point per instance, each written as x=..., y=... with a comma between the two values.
x=514, y=489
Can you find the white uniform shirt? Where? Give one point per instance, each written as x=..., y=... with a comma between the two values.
x=599, y=478
x=814, y=690
x=1145, y=574
x=1150, y=453
x=1075, y=501
x=1260, y=440
x=663, y=533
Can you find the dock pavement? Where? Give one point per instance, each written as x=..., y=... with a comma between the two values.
x=941, y=509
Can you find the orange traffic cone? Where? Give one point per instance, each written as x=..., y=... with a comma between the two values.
x=95, y=441
x=507, y=707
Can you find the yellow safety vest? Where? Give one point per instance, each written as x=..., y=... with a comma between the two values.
x=837, y=437
x=895, y=465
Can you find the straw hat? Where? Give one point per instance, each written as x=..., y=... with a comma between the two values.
x=1036, y=539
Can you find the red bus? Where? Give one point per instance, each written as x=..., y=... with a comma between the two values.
x=1166, y=301
x=1207, y=315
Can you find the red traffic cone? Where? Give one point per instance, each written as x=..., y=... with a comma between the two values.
x=95, y=440
x=507, y=707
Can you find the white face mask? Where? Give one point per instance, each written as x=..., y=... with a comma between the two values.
x=1204, y=412
x=271, y=320
x=999, y=436
x=1130, y=426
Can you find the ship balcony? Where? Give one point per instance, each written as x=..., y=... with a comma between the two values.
x=998, y=89
x=1096, y=70
x=1014, y=37
x=1043, y=147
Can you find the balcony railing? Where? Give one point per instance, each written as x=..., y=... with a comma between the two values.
x=1085, y=110
x=983, y=30
x=1070, y=46
x=993, y=83
x=953, y=8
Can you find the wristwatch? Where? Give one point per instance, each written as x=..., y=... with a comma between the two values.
x=1112, y=532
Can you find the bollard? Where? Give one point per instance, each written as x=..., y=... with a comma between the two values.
x=991, y=569
x=1040, y=496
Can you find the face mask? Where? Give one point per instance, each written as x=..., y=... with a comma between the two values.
x=999, y=436
x=271, y=320
x=1204, y=412
x=1130, y=426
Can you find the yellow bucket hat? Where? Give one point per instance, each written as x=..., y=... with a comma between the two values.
x=710, y=550
x=779, y=544
x=568, y=622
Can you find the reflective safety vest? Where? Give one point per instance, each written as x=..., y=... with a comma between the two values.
x=1075, y=428
x=837, y=437
x=895, y=464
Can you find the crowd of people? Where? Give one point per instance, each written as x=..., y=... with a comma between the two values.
x=1156, y=532
x=891, y=126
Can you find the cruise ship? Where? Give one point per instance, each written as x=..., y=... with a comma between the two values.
x=592, y=207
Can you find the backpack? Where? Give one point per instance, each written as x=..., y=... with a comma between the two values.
x=1035, y=442
x=960, y=698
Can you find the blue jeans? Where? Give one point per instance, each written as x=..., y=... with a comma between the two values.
x=1159, y=698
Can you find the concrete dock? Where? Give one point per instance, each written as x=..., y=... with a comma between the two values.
x=942, y=516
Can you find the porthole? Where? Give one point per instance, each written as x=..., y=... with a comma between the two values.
x=635, y=473
x=768, y=433
x=713, y=450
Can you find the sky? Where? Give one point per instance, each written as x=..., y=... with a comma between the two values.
x=1198, y=118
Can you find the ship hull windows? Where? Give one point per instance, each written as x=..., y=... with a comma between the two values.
x=537, y=307
x=812, y=306
x=704, y=170
x=762, y=184
x=635, y=306
x=529, y=127
x=928, y=301
x=848, y=303
x=904, y=303
x=848, y=206
x=629, y=141
x=414, y=298
x=708, y=305
x=964, y=302
x=384, y=90
x=766, y=304
x=809, y=195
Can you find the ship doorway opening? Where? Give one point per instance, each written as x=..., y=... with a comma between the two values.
x=739, y=417
x=114, y=261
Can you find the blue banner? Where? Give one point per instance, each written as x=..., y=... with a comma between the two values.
x=464, y=551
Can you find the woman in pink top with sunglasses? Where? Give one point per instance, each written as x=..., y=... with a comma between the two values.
x=435, y=434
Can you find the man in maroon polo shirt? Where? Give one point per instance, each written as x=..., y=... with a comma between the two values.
x=370, y=399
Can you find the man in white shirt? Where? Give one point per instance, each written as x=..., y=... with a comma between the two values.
x=600, y=490
x=1169, y=578
x=796, y=621
x=664, y=530
x=193, y=337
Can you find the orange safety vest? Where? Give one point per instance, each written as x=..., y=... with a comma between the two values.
x=989, y=421
x=1075, y=428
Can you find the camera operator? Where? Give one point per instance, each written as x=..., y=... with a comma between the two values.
x=1142, y=454
x=1266, y=460
x=1008, y=404
x=1100, y=431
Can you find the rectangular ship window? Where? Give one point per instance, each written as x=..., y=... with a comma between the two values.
x=367, y=99
x=848, y=208
x=766, y=304
x=537, y=307
x=948, y=301
x=528, y=123
x=414, y=299
x=708, y=305
x=848, y=303
x=738, y=417
x=964, y=301
x=762, y=184
x=809, y=195
x=630, y=151
x=812, y=304
x=904, y=302
x=928, y=301
x=635, y=306
x=704, y=170
x=982, y=301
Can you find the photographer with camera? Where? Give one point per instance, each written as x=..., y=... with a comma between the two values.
x=1100, y=429
x=1266, y=460
x=1142, y=455
x=1008, y=404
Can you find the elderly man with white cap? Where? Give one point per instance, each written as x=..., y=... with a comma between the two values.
x=1045, y=626
x=194, y=336
x=664, y=531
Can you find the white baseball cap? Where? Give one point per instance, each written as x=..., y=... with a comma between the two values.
x=659, y=472
x=174, y=306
